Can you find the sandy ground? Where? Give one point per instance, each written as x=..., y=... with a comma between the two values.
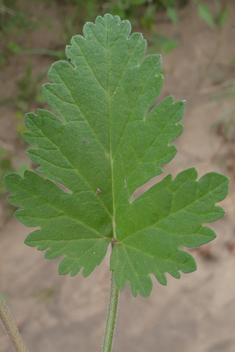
x=195, y=313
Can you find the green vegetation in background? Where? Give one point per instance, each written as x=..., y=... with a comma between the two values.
x=16, y=20
x=221, y=13
x=5, y=167
x=27, y=88
x=143, y=11
x=11, y=17
x=161, y=43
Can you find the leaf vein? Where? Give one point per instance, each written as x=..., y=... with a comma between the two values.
x=175, y=212
x=82, y=113
x=132, y=110
x=148, y=147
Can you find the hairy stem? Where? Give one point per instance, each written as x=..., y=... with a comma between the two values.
x=11, y=328
x=112, y=316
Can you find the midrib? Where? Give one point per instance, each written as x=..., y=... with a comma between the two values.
x=110, y=142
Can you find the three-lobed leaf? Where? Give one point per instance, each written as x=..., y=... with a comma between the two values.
x=104, y=146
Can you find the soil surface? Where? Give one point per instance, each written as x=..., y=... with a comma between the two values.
x=195, y=313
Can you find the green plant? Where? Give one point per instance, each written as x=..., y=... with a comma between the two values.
x=147, y=19
x=103, y=148
x=28, y=90
x=219, y=18
x=5, y=167
x=12, y=19
x=20, y=126
x=161, y=43
x=128, y=8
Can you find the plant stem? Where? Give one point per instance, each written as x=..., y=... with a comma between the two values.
x=112, y=316
x=11, y=328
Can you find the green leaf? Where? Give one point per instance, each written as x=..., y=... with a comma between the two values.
x=14, y=47
x=137, y=2
x=105, y=144
x=166, y=217
x=205, y=14
x=222, y=18
x=172, y=14
x=147, y=19
x=160, y=42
